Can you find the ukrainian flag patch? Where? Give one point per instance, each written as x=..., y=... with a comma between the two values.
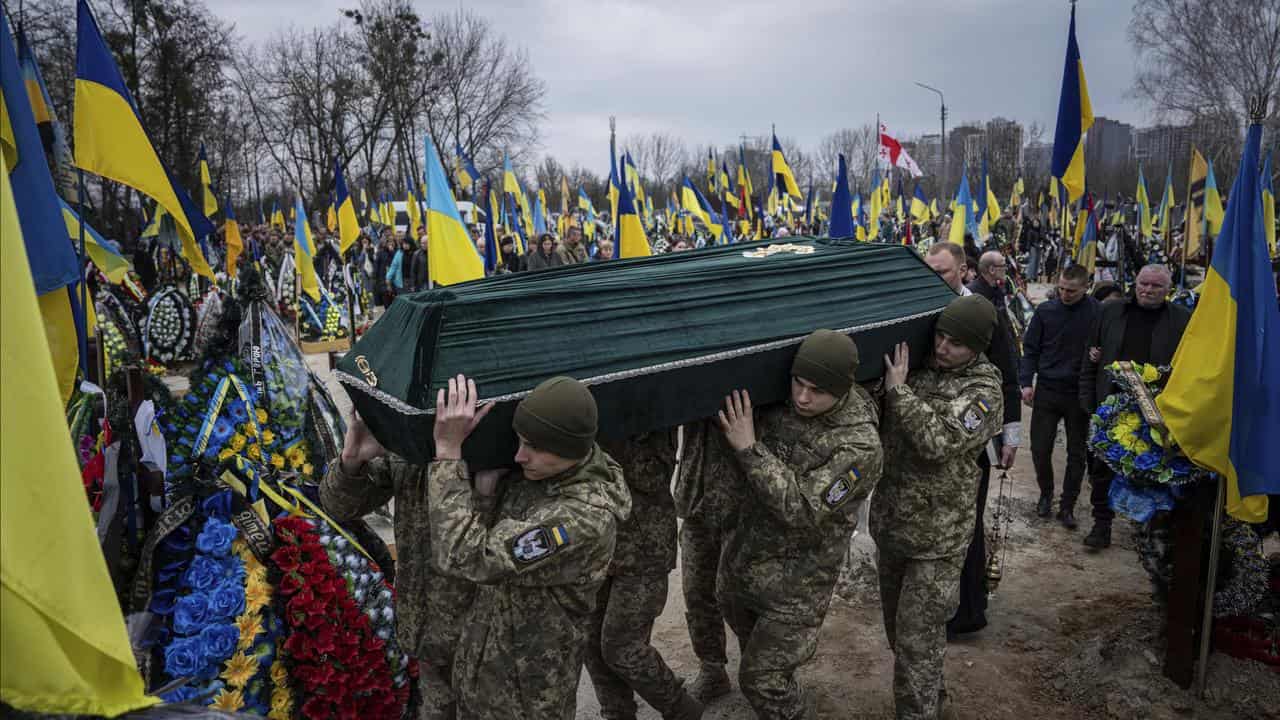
x=538, y=543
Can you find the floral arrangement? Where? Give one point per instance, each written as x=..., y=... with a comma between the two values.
x=234, y=425
x=169, y=327
x=1150, y=469
x=220, y=633
x=322, y=321
x=341, y=649
x=1246, y=584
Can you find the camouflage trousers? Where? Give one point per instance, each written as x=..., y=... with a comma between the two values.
x=917, y=598
x=772, y=651
x=700, y=543
x=620, y=659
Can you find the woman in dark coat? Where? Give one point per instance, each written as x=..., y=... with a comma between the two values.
x=546, y=256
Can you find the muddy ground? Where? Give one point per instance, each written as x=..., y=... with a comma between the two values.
x=1072, y=634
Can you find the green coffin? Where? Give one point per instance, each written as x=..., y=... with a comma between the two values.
x=659, y=340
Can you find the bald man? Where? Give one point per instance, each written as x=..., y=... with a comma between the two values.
x=1145, y=328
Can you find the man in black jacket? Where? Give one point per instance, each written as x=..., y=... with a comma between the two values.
x=1055, y=342
x=1146, y=329
x=418, y=268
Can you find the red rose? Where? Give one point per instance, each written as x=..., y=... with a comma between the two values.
x=291, y=583
x=298, y=646
x=344, y=654
x=323, y=639
x=317, y=708
x=287, y=558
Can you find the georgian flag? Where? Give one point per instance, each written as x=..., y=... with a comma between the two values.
x=892, y=154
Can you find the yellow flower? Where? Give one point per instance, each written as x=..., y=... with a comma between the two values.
x=279, y=678
x=261, y=414
x=1150, y=373
x=237, y=442
x=228, y=700
x=296, y=456
x=250, y=626
x=268, y=437
x=225, y=454
x=250, y=429
x=256, y=596
x=277, y=461
x=238, y=546
x=306, y=468
x=254, y=452
x=240, y=669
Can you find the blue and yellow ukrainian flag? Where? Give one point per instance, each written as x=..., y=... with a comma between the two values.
x=206, y=185
x=631, y=238
x=104, y=255
x=1075, y=117
x=1144, y=205
x=1222, y=402
x=64, y=652
x=1269, y=206
x=786, y=181
x=54, y=266
x=110, y=140
x=919, y=205
x=692, y=200
x=1213, y=212
x=490, y=234
x=466, y=172
x=1087, y=254
x=304, y=250
x=52, y=135
x=841, y=204
x=1164, y=216
x=451, y=257
x=348, y=223
x=235, y=243
x=962, y=216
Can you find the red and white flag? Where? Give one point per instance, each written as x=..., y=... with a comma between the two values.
x=892, y=154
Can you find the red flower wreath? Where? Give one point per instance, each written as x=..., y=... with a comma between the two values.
x=339, y=667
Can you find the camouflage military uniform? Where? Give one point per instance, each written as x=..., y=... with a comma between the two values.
x=923, y=514
x=705, y=488
x=803, y=480
x=539, y=567
x=429, y=605
x=620, y=658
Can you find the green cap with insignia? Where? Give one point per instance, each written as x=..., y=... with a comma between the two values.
x=827, y=359
x=559, y=416
x=971, y=320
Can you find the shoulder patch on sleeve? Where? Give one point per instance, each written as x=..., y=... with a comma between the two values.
x=838, y=491
x=538, y=543
x=975, y=414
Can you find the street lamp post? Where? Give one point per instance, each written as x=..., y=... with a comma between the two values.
x=943, y=101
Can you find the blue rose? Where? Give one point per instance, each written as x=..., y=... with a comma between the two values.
x=1146, y=461
x=1099, y=438
x=226, y=600
x=218, y=505
x=163, y=601
x=190, y=613
x=205, y=572
x=1181, y=466
x=216, y=537
x=186, y=693
x=1105, y=411
x=183, y=658
x=1115, y=453
x=219, y=641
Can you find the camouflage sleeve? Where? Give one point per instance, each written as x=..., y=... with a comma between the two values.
x=350, y=497
x=689, y=476
x=553, y=546
x=805, y=498
x=938, y=430
x=651, y=463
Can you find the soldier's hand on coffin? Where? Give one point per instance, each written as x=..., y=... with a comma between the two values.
x=487, y=481
x=895, y=368
x=456, y=416
x=359, y=447
x=736, y=421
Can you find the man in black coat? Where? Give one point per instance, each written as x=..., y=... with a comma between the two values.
x=1144, y=328
x=1056, y=340
x=419, y=271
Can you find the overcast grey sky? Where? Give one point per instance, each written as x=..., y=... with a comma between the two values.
x=711, y=70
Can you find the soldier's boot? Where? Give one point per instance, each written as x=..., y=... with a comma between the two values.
x=687, y=708
x=1067, y=516
x=712, y=682
x=1099, y=537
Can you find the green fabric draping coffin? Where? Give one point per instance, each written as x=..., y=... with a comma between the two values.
x=660, y=340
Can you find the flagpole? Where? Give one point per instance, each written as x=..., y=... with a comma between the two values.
x=1206, y=623
x=84, y=286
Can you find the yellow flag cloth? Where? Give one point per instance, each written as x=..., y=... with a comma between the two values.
x=64, y=649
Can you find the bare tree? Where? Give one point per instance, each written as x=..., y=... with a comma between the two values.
x=860, y=147
x=1205, y=57
x=658, y=156
x=485, y=96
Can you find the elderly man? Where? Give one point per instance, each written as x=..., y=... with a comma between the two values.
x=1144, y=328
